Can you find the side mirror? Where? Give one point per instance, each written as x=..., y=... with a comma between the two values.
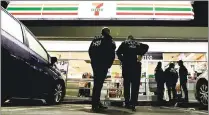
x=53, y=60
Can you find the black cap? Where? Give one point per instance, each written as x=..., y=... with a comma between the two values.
x=105, y=29
x=180, y=61
x=171, y=65
x=159, y=63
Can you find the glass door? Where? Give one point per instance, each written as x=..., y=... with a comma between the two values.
x=143, y=81
x=152, y=85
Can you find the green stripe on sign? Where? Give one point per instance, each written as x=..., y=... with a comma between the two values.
x=24, y=8
x=172, y=9
x=60, y=8
x=136, y=8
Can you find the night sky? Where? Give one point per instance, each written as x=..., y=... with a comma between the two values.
x=201, y=12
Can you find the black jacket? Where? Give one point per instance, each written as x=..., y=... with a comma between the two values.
x=159, y=75
x=128, y=51
x=183, y=72
x=102, y=51
x=171, y=75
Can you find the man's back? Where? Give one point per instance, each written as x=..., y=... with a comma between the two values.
x=171, y=75
x=183, y=72
x=159, y=74
x=129, y=50
x=102, y=50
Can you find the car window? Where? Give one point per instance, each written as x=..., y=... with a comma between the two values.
x=35, y=45
x=11, y=26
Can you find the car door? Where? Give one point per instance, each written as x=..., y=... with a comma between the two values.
x=15, y=57
x=40, y=78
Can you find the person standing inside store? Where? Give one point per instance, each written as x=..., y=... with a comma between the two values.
x=171, y=76
x=183, y=72
x=160, y=79
x=102, y=55
x=130, y=53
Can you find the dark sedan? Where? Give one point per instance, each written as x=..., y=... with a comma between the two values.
x=27, y=68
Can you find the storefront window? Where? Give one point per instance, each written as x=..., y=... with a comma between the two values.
x=77, y=65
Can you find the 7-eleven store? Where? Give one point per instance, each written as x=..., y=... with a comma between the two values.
x=73, y=56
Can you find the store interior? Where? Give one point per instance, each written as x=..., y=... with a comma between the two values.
x=77, y=64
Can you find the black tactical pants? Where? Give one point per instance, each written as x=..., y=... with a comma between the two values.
x=131, y=80
x=184, y=87
x=100, y=74
x=171, y=87
x=160, y=90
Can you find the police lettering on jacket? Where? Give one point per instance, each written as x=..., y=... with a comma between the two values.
x=102, y=51
x=97, y=41
x=129, y=49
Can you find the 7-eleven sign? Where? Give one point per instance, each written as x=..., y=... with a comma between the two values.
x=97, y=9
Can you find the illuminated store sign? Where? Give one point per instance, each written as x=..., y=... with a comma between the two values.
x=105, y=10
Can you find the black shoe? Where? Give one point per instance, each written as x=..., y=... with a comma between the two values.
x=133, y=108
x=95, y=109
x=128, y=106
x=101, y=106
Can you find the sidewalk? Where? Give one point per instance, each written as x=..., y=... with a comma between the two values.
x=87, y=100
x=84, y=109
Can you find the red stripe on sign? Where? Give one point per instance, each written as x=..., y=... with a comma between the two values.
x=59, y=13
x=175, y=14
x=26, y=13
x=127, y=13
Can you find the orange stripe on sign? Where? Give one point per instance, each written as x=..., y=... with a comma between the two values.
x=25, y=4
x=175, y=14
x=26, y=13
x=61, y=4
x=123, y=4
x=95, y=4
x=59, y=13
x=172, y=4
x=127, y=13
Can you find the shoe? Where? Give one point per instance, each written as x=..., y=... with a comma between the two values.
x=95, y=109
x=133, y=108
x=101, y=106
x=161, y=102
x=127, y=106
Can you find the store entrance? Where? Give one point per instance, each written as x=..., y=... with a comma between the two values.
x=76, y=66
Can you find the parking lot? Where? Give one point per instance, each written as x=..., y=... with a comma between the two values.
x=38, y=108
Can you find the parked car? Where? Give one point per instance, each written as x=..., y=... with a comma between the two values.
x=201, y=89
x=27, y=68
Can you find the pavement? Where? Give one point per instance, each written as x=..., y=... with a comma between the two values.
x=39, y=108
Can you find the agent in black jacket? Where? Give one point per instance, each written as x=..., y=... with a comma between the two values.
x=160, y=79
x=128, y=53
x=102, y=55
x=183, y=72
x=171, y=80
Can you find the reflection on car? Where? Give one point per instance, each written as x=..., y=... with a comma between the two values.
x=27, y=68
